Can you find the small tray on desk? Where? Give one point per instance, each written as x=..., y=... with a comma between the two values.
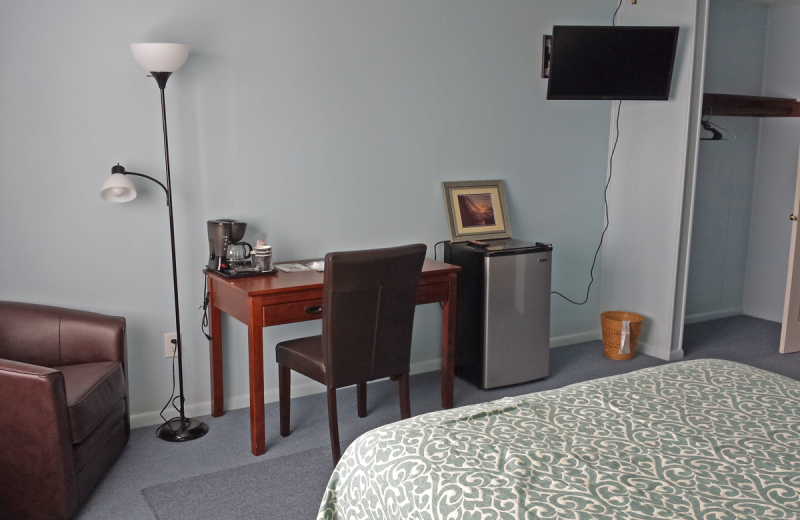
x=232, y=274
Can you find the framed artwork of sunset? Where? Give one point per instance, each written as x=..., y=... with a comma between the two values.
x=476, y=210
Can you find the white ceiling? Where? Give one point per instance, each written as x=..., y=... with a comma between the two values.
x=769, y=2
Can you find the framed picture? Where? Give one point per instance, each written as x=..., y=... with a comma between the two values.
x=476, y=210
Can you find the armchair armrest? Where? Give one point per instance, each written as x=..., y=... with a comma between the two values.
x=36, y=464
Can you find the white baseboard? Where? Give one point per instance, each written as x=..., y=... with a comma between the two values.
x=270, y=396
x=764, y=315
x=571, y=339
x=312, y=387
x=430, y=365
x=644, y=348
x=653, y=350
x=712, y=315
x=231, y=403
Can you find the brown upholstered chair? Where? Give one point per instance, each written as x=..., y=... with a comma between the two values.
x=63, y=407
x=368, y=302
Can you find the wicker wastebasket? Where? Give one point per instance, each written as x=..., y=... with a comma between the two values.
x=611, y=323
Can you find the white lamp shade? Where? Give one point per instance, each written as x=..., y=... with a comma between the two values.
x=160, y=57
x=118, y=188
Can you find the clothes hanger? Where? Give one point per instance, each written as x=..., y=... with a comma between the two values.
x=716, y=135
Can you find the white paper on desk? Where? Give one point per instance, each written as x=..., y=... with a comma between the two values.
x=317, y=265
x=292, y=268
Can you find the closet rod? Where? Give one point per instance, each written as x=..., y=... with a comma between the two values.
x=749, y=106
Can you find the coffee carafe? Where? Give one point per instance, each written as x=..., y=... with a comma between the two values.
x=223, y=233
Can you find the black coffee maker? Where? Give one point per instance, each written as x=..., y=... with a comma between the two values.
x=221, y=234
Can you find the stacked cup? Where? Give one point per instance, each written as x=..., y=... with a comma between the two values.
x=262, y=258
x=262, y=254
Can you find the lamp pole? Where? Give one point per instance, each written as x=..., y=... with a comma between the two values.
x=189, y=428
x=161, y=78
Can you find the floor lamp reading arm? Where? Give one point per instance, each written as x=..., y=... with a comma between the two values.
x=154, y=180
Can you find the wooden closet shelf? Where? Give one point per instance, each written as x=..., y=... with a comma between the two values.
x=749, y=106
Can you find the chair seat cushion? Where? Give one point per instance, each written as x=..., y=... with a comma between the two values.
x=92, y=391
x=303, y=355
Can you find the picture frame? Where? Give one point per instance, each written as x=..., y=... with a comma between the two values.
x=476, y=210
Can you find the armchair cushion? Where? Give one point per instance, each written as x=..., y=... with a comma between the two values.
x=93, y=389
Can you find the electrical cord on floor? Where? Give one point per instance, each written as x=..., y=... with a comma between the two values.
x=172, y=396
x=605, y=199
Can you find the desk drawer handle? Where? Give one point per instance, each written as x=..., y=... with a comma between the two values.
x=314, y=309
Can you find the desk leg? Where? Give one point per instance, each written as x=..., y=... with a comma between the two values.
x=255, y=335
x=449, y=342
x=215, y=347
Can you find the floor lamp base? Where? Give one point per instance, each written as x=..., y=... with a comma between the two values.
x=171, y=430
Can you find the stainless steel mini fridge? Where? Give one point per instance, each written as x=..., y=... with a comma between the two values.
x=504, y=311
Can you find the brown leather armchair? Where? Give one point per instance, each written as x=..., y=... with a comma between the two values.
x=64, y=415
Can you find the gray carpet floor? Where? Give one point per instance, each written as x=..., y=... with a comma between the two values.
x=249, y=492
x=148, y=462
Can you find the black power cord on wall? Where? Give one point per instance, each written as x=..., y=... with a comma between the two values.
x=434, y=257
x=614, y=19
x=605, y=194
x=605, y=199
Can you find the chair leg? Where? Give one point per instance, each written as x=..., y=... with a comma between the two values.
x=361, y=392
x=405, y=397
x=285, y=396
x=333, y=423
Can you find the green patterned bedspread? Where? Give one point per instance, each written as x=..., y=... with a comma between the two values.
x=707, y=439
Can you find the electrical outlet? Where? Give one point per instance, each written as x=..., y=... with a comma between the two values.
x=170, y=348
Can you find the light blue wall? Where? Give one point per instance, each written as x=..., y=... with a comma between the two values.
x=329, y=126
x=726, y=169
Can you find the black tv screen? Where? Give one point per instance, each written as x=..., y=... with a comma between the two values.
x=602, y=62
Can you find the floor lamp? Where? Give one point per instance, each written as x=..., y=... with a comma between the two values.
x=161, y=59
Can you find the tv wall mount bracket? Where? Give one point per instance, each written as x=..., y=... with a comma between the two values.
x=547, y=46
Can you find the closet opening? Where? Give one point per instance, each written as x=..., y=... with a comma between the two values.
x=746, y=191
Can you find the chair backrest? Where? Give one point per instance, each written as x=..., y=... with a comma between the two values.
x=368, y=307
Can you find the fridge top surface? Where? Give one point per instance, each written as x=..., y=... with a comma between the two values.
x=507, y=246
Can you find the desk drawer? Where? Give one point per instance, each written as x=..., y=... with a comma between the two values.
x=280, y=313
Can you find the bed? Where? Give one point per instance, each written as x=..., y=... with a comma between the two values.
x=707, y=439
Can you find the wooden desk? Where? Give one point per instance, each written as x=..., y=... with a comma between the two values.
x=283, y=298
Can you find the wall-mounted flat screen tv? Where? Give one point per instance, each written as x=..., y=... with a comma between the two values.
x=602, y=62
